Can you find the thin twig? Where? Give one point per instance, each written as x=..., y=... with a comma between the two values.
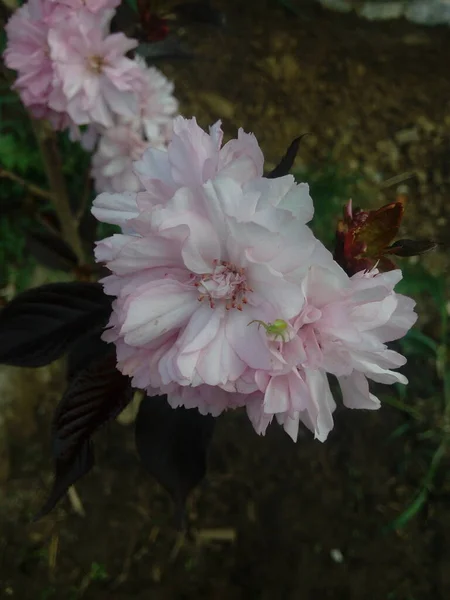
x=85, y=196
x=127, y=563
x=397, y=179
x=33, y=189
x=52, y=555
x=220, y=534
x=53, y=167
x=75, y=501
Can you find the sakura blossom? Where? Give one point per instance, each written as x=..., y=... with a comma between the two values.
x=224, y=298
x=28, y=53
x=211, y=247
x=122, y=145
x=112, y=163
x=72, y=72
x=98, y=81
x=157, y=104
x=342, y=330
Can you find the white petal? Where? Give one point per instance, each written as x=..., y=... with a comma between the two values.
x=319, y=388
x=115, y=209
x=163, y=307
x=285, y=296
x=146, y=253
x=355, y=392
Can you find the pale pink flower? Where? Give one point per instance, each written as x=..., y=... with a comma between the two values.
x=157, y=104
x=210, y=246
x=98, y=81
x=342, y=330
x=112, y=163
x=27, y=51
x=224, y=298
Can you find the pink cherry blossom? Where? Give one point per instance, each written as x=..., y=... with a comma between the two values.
x=342, y=330
x=98, y=81
x=27, y=51
x=112, y=163
x=210, y=246
x=225, y=299
x=157, y=104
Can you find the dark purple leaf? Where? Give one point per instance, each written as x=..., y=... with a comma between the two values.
x=85, y=350
x=68, y=472
x=95, y=395
x=285, y=165
x=172, y=444
x=406, y=248
x=39, y=325
x=51, y=250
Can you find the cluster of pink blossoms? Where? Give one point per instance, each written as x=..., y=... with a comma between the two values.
x=224, y=297
x=73, y=72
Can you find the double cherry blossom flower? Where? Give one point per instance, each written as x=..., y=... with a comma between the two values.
x=224, y=297
x=73, y=72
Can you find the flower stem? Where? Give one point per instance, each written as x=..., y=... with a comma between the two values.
x=33, y=189
x=53, y=167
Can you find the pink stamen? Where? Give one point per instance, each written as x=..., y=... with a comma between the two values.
x=226, y=282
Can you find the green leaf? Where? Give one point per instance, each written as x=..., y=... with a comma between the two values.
x=398, y=432
x=418, y=337
x=412, y=510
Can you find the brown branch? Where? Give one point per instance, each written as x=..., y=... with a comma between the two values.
x=53, y=167
x=85, y=196
x=33, y=189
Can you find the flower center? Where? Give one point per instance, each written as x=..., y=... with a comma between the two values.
x=96, y=63
x=226, y=282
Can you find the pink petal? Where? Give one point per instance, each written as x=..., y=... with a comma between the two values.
x=166, y=305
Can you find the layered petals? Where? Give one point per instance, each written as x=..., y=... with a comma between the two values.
x=224, y=298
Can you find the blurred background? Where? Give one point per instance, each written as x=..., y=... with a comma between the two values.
x=363, y=516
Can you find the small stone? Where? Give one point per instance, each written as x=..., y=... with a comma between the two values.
x=406, y=136
x=431, y=12
x=337, y=556
x=421, y=175
x=424, y=123
x=381, y=11
x=416, y=39
x=388, y=148
x=289, y=67
x=361, y=70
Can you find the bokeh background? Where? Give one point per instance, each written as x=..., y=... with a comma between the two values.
x=363, y=516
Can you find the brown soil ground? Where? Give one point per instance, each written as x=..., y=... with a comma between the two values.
x=274, y=520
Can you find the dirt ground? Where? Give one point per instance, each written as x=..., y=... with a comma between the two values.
x=274, y=520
